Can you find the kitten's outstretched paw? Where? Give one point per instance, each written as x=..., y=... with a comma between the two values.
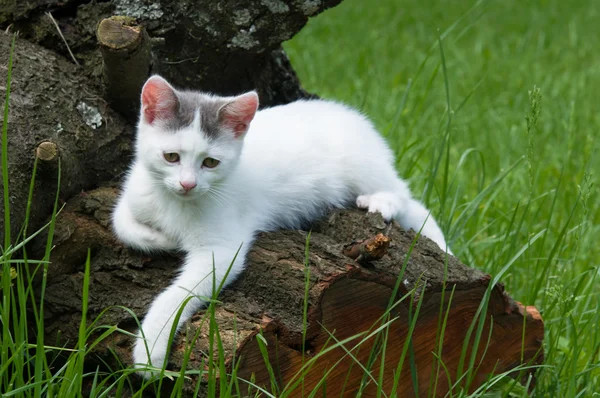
x=386, y=203
x=146, y=372
x=147, y=367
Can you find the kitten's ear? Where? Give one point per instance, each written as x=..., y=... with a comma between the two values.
x=159, y=100
x=237, y=114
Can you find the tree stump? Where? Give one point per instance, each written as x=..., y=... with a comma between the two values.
x=346, y=298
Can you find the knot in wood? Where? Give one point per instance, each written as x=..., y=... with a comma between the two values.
x=368, y=250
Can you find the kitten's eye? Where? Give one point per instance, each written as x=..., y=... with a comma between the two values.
x=171, y=157
x=210, y=163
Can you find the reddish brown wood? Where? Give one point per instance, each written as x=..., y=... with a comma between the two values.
x=351, y=305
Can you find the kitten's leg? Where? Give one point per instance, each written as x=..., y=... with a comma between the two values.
x=138, y=235
x=195, y=281
x=415, y=216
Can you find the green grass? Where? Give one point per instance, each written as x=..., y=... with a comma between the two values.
x=491, y=108
x=510, y=86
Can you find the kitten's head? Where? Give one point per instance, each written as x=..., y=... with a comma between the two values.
x=189, y=140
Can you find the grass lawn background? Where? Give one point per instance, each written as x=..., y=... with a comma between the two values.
x=384, y=57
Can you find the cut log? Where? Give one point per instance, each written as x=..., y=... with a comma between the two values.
x=347, y=300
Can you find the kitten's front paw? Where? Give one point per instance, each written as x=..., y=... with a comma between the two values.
x=147, y=366
x=161, y=241
x=147, y=239
x=142, y=236
x=363, y=201
x=388, y=204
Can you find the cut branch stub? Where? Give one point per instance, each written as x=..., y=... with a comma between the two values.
x=119, y=33
x=47, y=151
x=345, y=301
x=368, y=250
x=125, y=48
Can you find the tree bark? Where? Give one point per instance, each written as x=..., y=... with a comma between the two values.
x=345, y=299
x=221, y=47
x=54, y=113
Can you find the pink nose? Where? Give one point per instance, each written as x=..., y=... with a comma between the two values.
x=187, y=185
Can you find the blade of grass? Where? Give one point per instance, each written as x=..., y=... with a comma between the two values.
x=5, y=183
x=306, y=293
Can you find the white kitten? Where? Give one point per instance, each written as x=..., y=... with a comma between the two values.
x=205, y=180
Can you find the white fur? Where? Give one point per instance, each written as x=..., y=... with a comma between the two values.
x=295, y=162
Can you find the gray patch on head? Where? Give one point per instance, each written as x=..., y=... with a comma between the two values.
x=189, y=103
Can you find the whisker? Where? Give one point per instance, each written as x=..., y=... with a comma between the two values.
x=222, y=198
x=214, y=197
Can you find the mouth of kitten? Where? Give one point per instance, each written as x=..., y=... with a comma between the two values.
x=188, y=195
